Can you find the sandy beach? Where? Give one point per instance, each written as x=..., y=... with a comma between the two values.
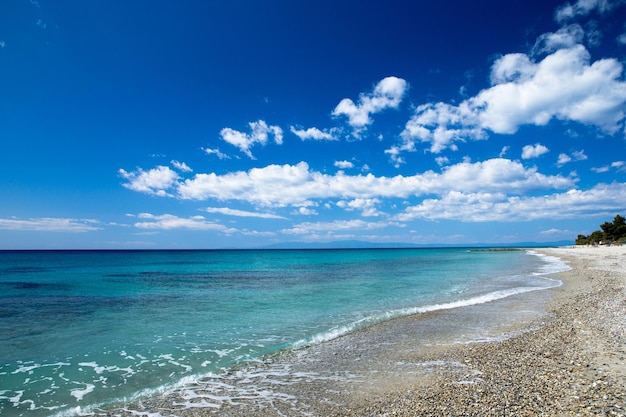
x=569, y=361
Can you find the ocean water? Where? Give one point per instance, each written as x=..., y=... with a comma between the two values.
x=83, y=331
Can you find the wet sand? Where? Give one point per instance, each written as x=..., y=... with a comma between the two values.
x=571, y=360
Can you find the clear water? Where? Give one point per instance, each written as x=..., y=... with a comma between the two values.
x=86, y=328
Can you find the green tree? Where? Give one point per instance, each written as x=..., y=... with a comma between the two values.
x=620, y=227
x=611, y=232
x=608, y=229
x=596, y=237
x=582, y=240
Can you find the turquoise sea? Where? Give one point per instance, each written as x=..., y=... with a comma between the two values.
x=86, y=330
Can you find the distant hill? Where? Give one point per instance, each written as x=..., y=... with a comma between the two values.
x=358, y=244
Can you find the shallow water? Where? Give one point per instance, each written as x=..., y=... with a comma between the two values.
x=85, y=330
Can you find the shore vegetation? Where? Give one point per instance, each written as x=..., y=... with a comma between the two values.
x=610, y=233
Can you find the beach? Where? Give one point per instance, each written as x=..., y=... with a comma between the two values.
x=573, y=364
x=569, y=361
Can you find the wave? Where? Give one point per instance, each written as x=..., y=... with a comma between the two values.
x=392, y=314
x=537, y=280
x=551, y=265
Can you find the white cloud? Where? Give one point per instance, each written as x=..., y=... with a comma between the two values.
x=575, y=156
x=171, y=222
x=241, y=213
x=181, y=166
x=566, y=37
x=155, y=181
x=387, y=93
x=344, y=164
x=601, y=200
x=441, y=124
x=338, y=225
x=394, y=154
x=215, y=152
x=284, y=185
x=50, y=224
x=3, y=44
x=579, y=155
x=367, y=206
x=512, y=68
x=305, y=211
x=504, y=150
x=442, y=160
x=563, y=159
x=564, y=85
x=583, y=8
x=533, y=151
x=314, y=133
x=619, y=165
x=260, y=132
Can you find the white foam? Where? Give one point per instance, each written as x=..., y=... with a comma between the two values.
x=223, y=352
x=467, y=302
x=98, y=369
x=552, y=264
x=28, y=368
x=80, y=393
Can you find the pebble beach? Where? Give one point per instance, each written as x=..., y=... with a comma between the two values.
x=574, y=364
x=568, y=361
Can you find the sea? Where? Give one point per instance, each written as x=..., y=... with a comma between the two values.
x=87, y=331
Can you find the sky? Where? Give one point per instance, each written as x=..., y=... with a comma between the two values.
x=246, y=123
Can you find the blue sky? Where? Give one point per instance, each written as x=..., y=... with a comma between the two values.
x=214, y=124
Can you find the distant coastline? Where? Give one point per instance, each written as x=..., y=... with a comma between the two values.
x=357, y=244
x=350, y=244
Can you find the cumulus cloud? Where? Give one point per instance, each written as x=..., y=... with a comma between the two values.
x=601, y=200
x=50, y=224
x=260, y=132
x=619, y=166
x=344, y=164
x=308, y=228
x=367, y=206
x=394, y=154
x=580, y=8
x=155, y=181
x=533, y=151
x=566, y=37
x=305, y=211
x=241, y=213
x=171, y=222
x=314, y=133
x=284, y=185
x=181, y=166
x=575, y=156
x=563, y=159
x=579, y=155
x=215, y=152
x=564, y=85
x=387, y=94
x=442, y=160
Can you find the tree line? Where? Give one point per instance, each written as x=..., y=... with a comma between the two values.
x=610, y=233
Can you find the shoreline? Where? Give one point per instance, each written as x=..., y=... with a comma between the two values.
x=574, y=364
x=568, y=361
